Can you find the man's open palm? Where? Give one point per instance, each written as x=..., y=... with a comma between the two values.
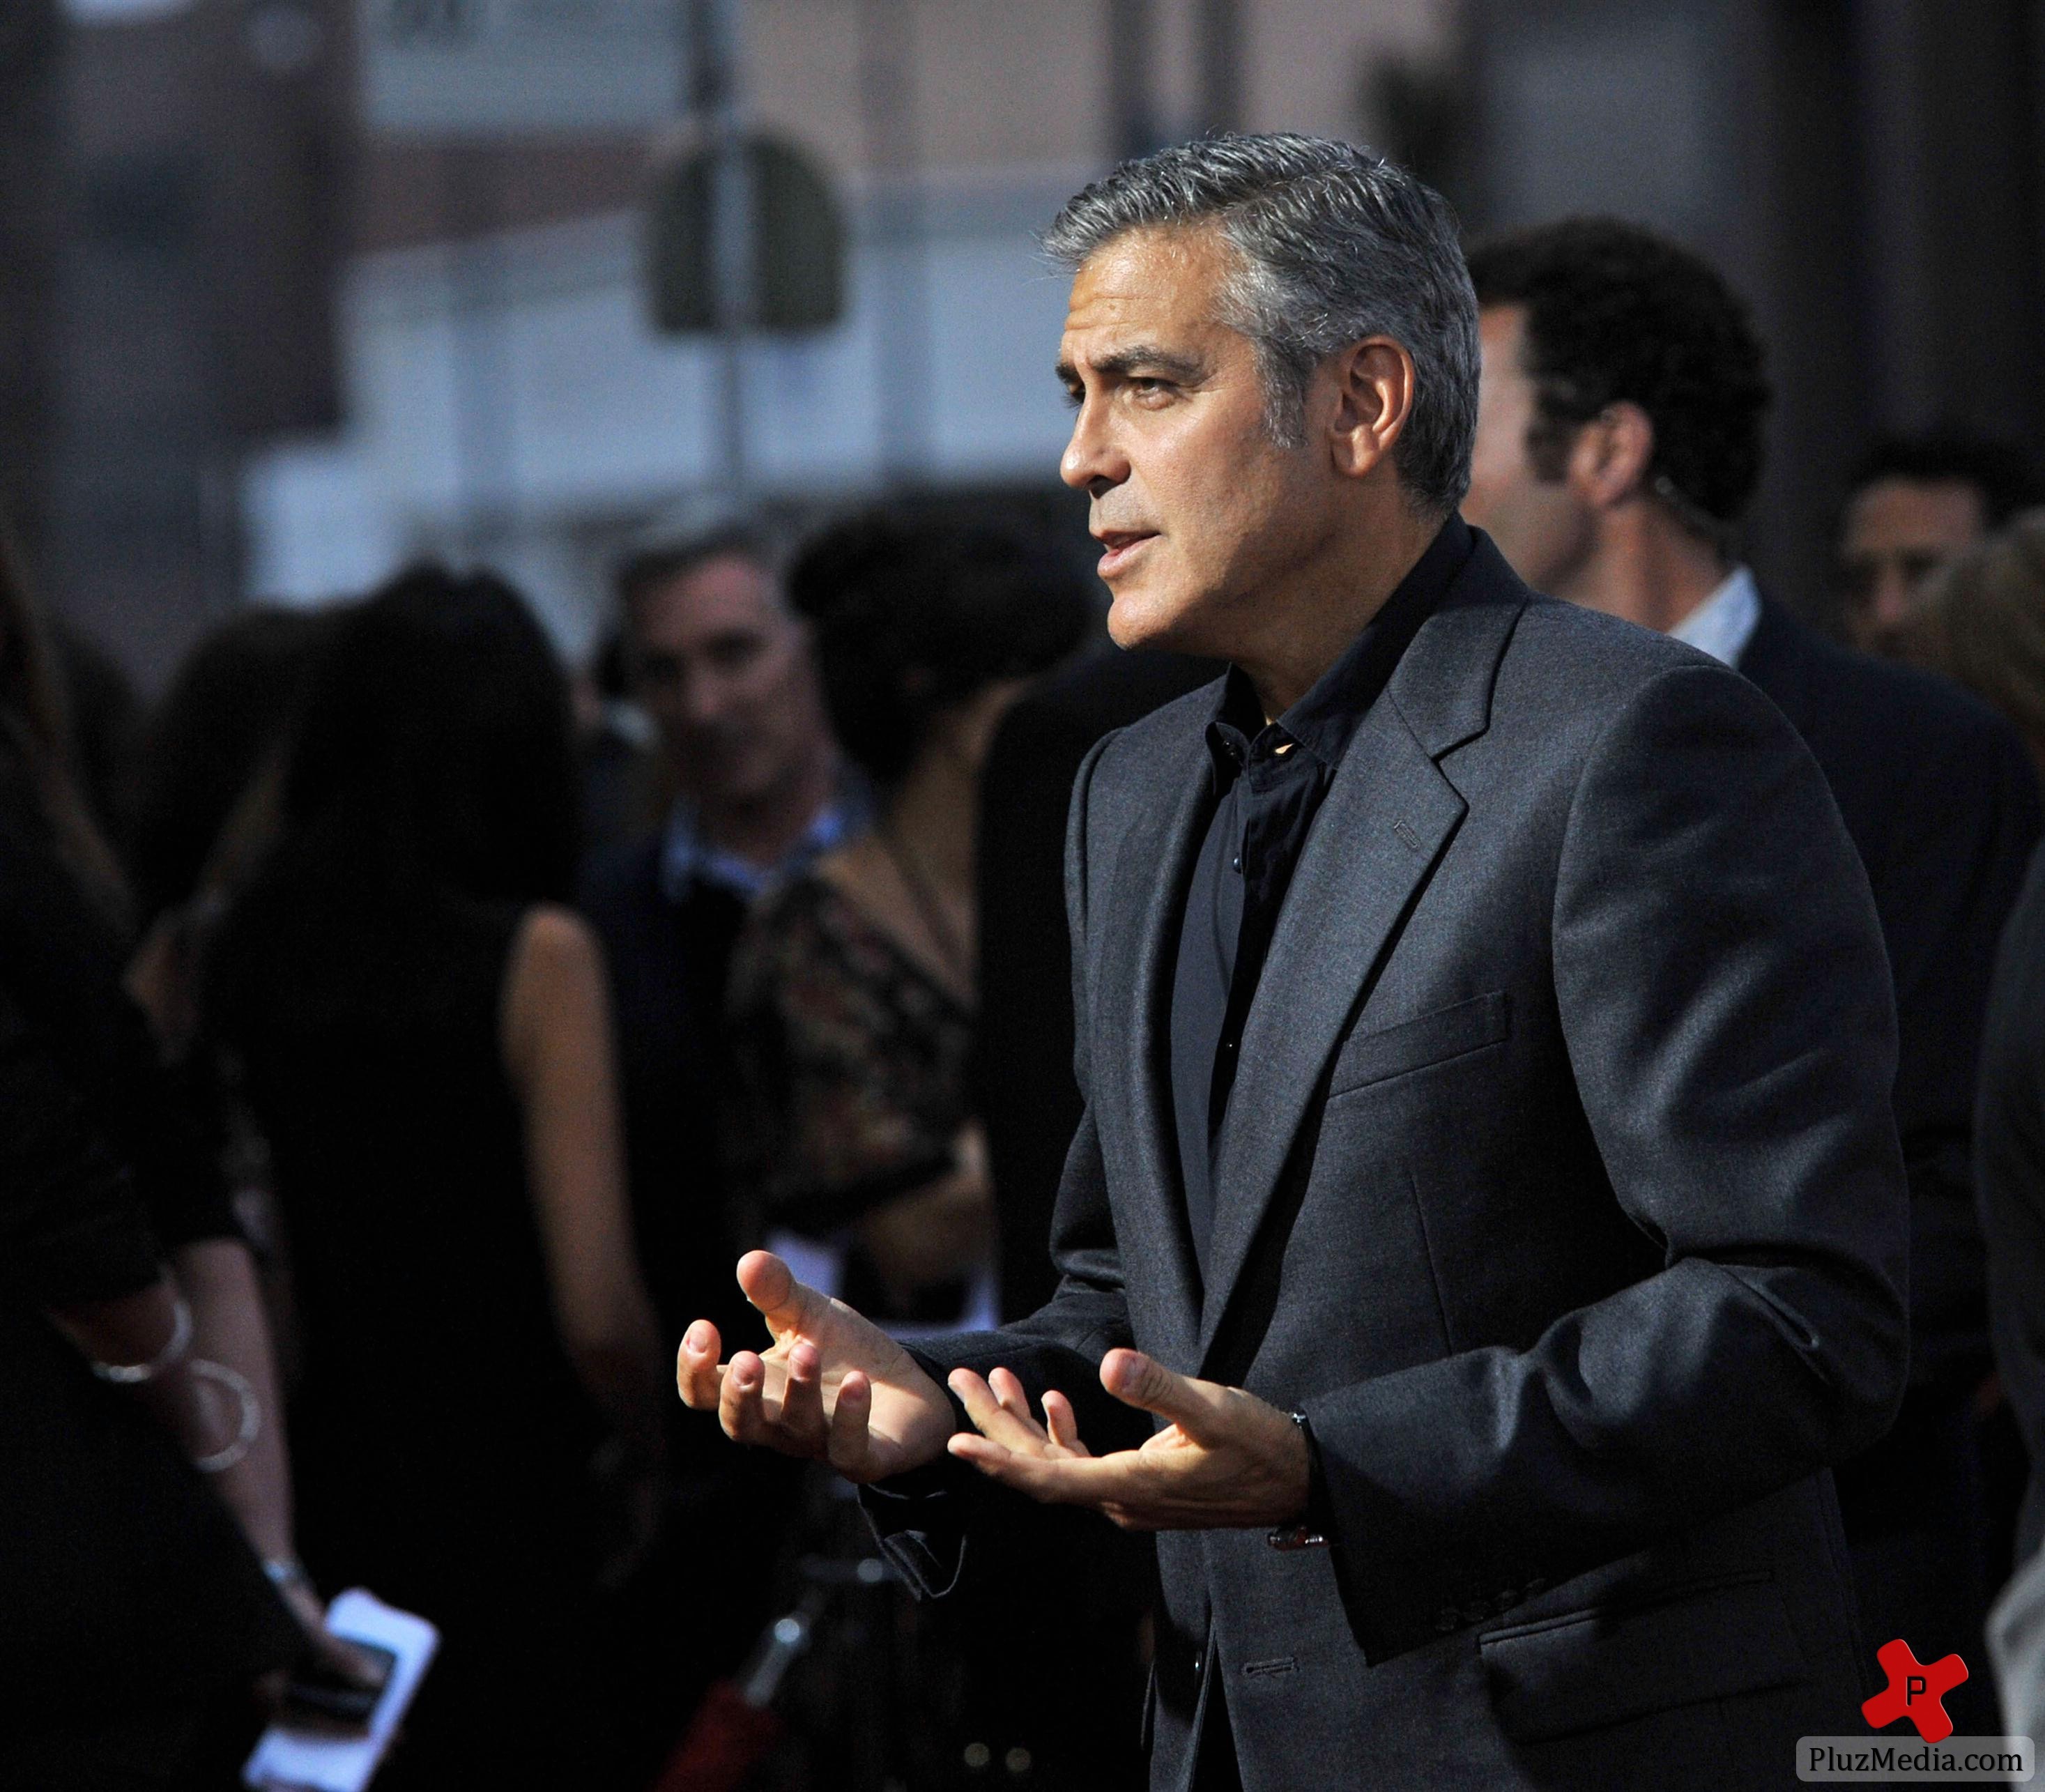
x=833, y=1387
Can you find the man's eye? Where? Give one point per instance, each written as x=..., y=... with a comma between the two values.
x=1074, y=398
x=734, y=656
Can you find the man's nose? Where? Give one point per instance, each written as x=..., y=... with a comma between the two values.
x=1091, y=462
x=1894, y=596
x=702, y=700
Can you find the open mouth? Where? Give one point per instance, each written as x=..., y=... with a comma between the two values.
x=1119, y=546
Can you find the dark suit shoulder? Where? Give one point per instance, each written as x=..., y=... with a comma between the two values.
x=1891, y=717
x=1602, y=655
x=1568, y=675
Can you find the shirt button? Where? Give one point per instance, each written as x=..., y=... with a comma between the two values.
x=1199, y=1666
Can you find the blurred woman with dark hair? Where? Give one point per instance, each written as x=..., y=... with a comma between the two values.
x=425, y=1040
x=142, y=1464
x=852, y=992
x=216, y=729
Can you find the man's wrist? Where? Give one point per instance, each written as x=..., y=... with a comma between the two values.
x=1310, y=1529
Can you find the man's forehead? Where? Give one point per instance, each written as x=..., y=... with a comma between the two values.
x=1143, y=281
x=727, y=590
x=1899, y=507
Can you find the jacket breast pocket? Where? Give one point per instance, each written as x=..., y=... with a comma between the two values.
x=1586, y=1670
x=1426, y=1039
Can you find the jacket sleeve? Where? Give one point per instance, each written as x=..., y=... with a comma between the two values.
x=1725, y=997
x=1952, y=864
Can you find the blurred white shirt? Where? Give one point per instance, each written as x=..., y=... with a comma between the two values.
x=1724, y=622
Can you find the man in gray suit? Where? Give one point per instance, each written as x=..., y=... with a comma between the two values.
x=1487, y=1222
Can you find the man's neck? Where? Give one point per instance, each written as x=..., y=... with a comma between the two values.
x=1647, y=569
x=764, y=831
x=1305, y=630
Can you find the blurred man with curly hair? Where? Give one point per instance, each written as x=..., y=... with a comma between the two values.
x=1620, y=439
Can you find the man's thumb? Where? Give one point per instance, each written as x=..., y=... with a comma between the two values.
x=770, y=1285
x=1137, y=1380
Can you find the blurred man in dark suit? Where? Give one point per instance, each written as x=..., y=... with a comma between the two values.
x=724, y=669
x=1619, y=439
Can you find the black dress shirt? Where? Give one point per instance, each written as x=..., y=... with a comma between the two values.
x=1269, y=778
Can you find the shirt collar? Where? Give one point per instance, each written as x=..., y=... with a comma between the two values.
x=688, y=858
x=1323, y=720
x=1724, y=622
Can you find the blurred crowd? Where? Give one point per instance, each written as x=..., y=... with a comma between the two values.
x=401, y=1035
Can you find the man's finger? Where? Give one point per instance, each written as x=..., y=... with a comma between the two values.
x=1009, y=1392
x=1140, y=1380
x=993, y=1419
x=802, y=1415
x=1087, y=1481
x=848, y=1444
x=699, y=1377
x=1062, y=1424
x=741, y=1407
x=770, y=1285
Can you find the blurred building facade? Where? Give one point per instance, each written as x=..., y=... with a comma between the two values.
x=509, y=278
x=203, y=195
x=279, y=351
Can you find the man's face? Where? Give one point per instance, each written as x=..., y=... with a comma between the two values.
x=1203, y=516
x=1542, y=526
x=1898, y=533
x=725, y=672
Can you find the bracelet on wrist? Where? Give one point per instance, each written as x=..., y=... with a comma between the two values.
x=134, y=1374
x=1307, y=1533
x=250, y=1426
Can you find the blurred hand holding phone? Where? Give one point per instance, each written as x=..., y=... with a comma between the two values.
x=318, y=1743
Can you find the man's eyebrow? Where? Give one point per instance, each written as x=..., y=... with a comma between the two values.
x=1141, y=357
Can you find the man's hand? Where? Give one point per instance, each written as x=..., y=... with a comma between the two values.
x=833, y=1388
x=1226, y=1460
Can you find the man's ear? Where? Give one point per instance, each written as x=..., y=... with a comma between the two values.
x=1612, y=453
x=1374, y=386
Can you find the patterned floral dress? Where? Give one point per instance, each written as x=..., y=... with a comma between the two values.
x=848, y=1083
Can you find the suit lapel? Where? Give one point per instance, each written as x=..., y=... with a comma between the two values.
x=1130, y=1058
x=1386, y=818
x=1389, y=813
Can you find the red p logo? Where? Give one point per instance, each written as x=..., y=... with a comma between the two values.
x=1915, y=1691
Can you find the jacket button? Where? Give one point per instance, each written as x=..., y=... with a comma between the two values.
x=1446, y=1620
x=1199, y=1666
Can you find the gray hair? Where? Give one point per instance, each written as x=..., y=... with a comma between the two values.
x=1333, y=244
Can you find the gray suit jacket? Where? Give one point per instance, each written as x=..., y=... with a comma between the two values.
x=1559, y=1189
